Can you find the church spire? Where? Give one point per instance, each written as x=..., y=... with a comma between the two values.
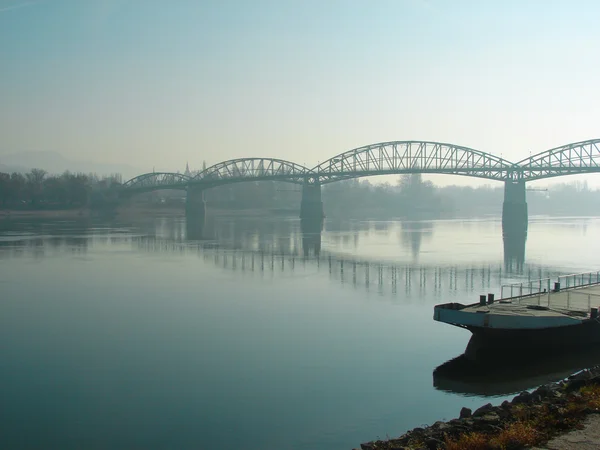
x=187, y=168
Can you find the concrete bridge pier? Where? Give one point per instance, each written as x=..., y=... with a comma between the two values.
x=195, y=207
x=514, y=209
x=311, y=206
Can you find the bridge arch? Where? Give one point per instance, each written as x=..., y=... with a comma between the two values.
x=155, y=181
x=397, y=157
x=251, y=169
x=570, y=159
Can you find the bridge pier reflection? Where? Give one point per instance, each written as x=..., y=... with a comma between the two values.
x=311, y=236
x=514, y=225
x=514, y=252
x=263, y=252
x=194, y=227
x=311, y=206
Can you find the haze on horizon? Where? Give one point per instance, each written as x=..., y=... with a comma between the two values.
x=157, y=84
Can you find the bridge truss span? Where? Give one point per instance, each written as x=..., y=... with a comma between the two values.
x=156, y=181
x=385, y=158
x=576, y=158
x=413, y=157
x=252, y=169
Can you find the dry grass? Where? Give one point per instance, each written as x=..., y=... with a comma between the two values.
x=469, y=441
x=532, y=426
x=516, y=435
x=521, y=412
x=591, y=396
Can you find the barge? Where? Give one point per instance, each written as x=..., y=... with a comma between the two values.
x=540, y=320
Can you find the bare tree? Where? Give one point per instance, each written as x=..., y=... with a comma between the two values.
x=35, y=178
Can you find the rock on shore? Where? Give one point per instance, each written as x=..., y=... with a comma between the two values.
x=488, y=419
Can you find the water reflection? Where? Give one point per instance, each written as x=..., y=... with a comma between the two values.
x=245, y=243
x=385, y=277
x=281, y=247
x=39, y=238
x=514, y=252
x=510, y=374
x=311, y=236
x=285, y=236
x=412, y=235
x=194, y=228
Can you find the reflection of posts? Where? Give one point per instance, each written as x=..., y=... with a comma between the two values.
x=311, y=206
x=311, y=235
x=514, y=208
x=194, y=203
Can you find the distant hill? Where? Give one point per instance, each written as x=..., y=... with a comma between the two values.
x=5, y=168
x=55, y=163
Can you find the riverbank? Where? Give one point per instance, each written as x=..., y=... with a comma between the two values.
x=529, y=420
x=136, y=210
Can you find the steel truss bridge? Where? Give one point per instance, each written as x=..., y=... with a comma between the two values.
x=398, y=157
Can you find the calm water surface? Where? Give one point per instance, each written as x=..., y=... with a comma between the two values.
x=249, y=333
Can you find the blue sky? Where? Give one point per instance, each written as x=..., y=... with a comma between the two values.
x=153, y=83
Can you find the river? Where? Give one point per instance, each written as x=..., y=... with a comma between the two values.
x=248, y=333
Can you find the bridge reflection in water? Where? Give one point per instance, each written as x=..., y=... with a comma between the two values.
x=282, y=246
x=514, y=252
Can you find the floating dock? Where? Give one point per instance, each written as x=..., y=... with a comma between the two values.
x=540, y=316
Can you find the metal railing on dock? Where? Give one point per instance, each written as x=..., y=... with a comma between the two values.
x=579, y=279
x=525, y=288
x=544, y=285
x=563, y=294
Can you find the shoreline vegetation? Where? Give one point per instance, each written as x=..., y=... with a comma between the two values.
x=530, y=419
x=411, y=197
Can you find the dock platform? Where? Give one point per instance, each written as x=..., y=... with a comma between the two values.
x=540, y=315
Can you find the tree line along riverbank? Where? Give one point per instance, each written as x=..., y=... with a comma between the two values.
x=410, y=196
x=38, y=190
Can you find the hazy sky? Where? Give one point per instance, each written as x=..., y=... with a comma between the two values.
x=158, y=83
